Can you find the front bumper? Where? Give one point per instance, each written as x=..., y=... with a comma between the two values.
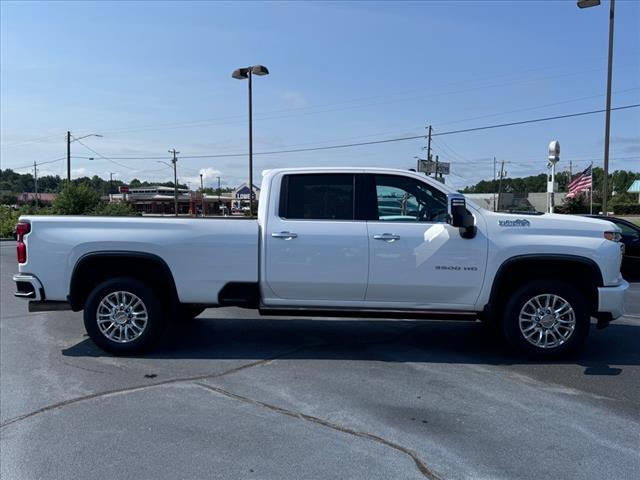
x=611, y=299
x=28, y=286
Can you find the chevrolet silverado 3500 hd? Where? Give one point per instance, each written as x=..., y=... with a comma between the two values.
x=362, y=242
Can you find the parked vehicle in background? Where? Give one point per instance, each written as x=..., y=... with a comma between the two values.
x=631, y=238
x=332, y=242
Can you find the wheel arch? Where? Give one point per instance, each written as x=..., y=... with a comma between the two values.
x=580, y=271
x=93, y=268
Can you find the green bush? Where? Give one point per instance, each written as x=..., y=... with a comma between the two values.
x=76, y=199
x=626, y=209
x=8, y=219
x=577, y=205
x=113, y=209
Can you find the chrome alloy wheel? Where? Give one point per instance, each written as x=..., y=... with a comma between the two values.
x=122, y=317
x=547, y=321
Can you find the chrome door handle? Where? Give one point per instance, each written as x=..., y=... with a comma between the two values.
x=387, y=237
x=285, y=235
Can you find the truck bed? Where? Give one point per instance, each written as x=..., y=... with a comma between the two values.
x=202, y=254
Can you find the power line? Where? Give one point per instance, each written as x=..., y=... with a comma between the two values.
x=536, y=120
x=348, y=145
x=103, y=157
x=390, y=140
x=39, y=163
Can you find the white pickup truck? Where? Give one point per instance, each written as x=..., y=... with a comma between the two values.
x=331, y=242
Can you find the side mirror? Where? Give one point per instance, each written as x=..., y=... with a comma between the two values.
x=458, y=215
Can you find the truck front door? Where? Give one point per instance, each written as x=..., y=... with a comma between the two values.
x=416, y=259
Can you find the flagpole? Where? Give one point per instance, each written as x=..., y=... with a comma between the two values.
x=591, y=192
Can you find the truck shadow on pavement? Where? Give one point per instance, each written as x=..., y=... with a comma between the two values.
x=372, y=340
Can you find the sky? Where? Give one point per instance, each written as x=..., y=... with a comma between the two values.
x=150, y=77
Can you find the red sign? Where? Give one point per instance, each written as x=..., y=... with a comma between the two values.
x=123, y=189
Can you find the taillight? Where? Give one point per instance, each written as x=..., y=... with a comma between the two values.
x=21, y=230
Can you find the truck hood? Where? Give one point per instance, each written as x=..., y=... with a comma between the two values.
x=549, y=223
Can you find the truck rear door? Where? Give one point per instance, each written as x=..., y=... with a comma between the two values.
x=315, y=250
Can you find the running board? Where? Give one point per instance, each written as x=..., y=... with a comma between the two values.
x=363, y=313
x=48, y=306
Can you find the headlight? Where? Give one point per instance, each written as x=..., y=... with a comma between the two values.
x=613, y=236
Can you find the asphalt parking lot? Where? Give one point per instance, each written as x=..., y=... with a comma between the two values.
x=234, y=395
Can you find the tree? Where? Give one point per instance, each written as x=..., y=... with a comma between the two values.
x=113, y=209
x=76, y=199
x=8, y=199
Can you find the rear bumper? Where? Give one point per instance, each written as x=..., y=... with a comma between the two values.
x=611, y=299
x=28, y=286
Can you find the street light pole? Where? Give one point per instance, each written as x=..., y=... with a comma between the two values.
x=69, y=150
x=241, y=74
x=607, y=125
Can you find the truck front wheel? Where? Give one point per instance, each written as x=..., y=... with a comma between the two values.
x=546, y=318
x=123, y=316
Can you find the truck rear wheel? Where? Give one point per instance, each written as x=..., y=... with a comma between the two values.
x=546, y=318
x=123, y=316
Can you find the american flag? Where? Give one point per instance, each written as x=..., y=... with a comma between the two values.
x=583, y=181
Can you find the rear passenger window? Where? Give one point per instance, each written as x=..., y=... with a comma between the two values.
x=317, y=196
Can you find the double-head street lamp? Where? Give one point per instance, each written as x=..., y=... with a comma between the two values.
x=607, y=127
x=69, y=140
x=241, y=74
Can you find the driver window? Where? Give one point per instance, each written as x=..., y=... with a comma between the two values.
x=404, y=199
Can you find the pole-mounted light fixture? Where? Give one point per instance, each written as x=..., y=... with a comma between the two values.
x=242, y=74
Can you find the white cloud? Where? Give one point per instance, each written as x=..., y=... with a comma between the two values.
x=209, y=172
x=209, y=178
x=295, y=99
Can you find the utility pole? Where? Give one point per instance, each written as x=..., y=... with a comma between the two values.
x=502, y=174
x=68, y=157
x=174, y=161
x=570, y=169
x=429, y=146
x=494, y=184
x=436, y=173
x=35, y=181
x=202, y=193
x=219, y=203
x=110, y=184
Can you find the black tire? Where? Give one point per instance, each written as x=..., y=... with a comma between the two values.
x=513, y=333
x=153, y=328
x=189, y=312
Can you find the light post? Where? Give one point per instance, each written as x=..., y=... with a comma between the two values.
x=241, y=74
x=69, y=140
x=607, y=127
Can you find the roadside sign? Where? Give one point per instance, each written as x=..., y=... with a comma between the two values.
x=429, y=167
